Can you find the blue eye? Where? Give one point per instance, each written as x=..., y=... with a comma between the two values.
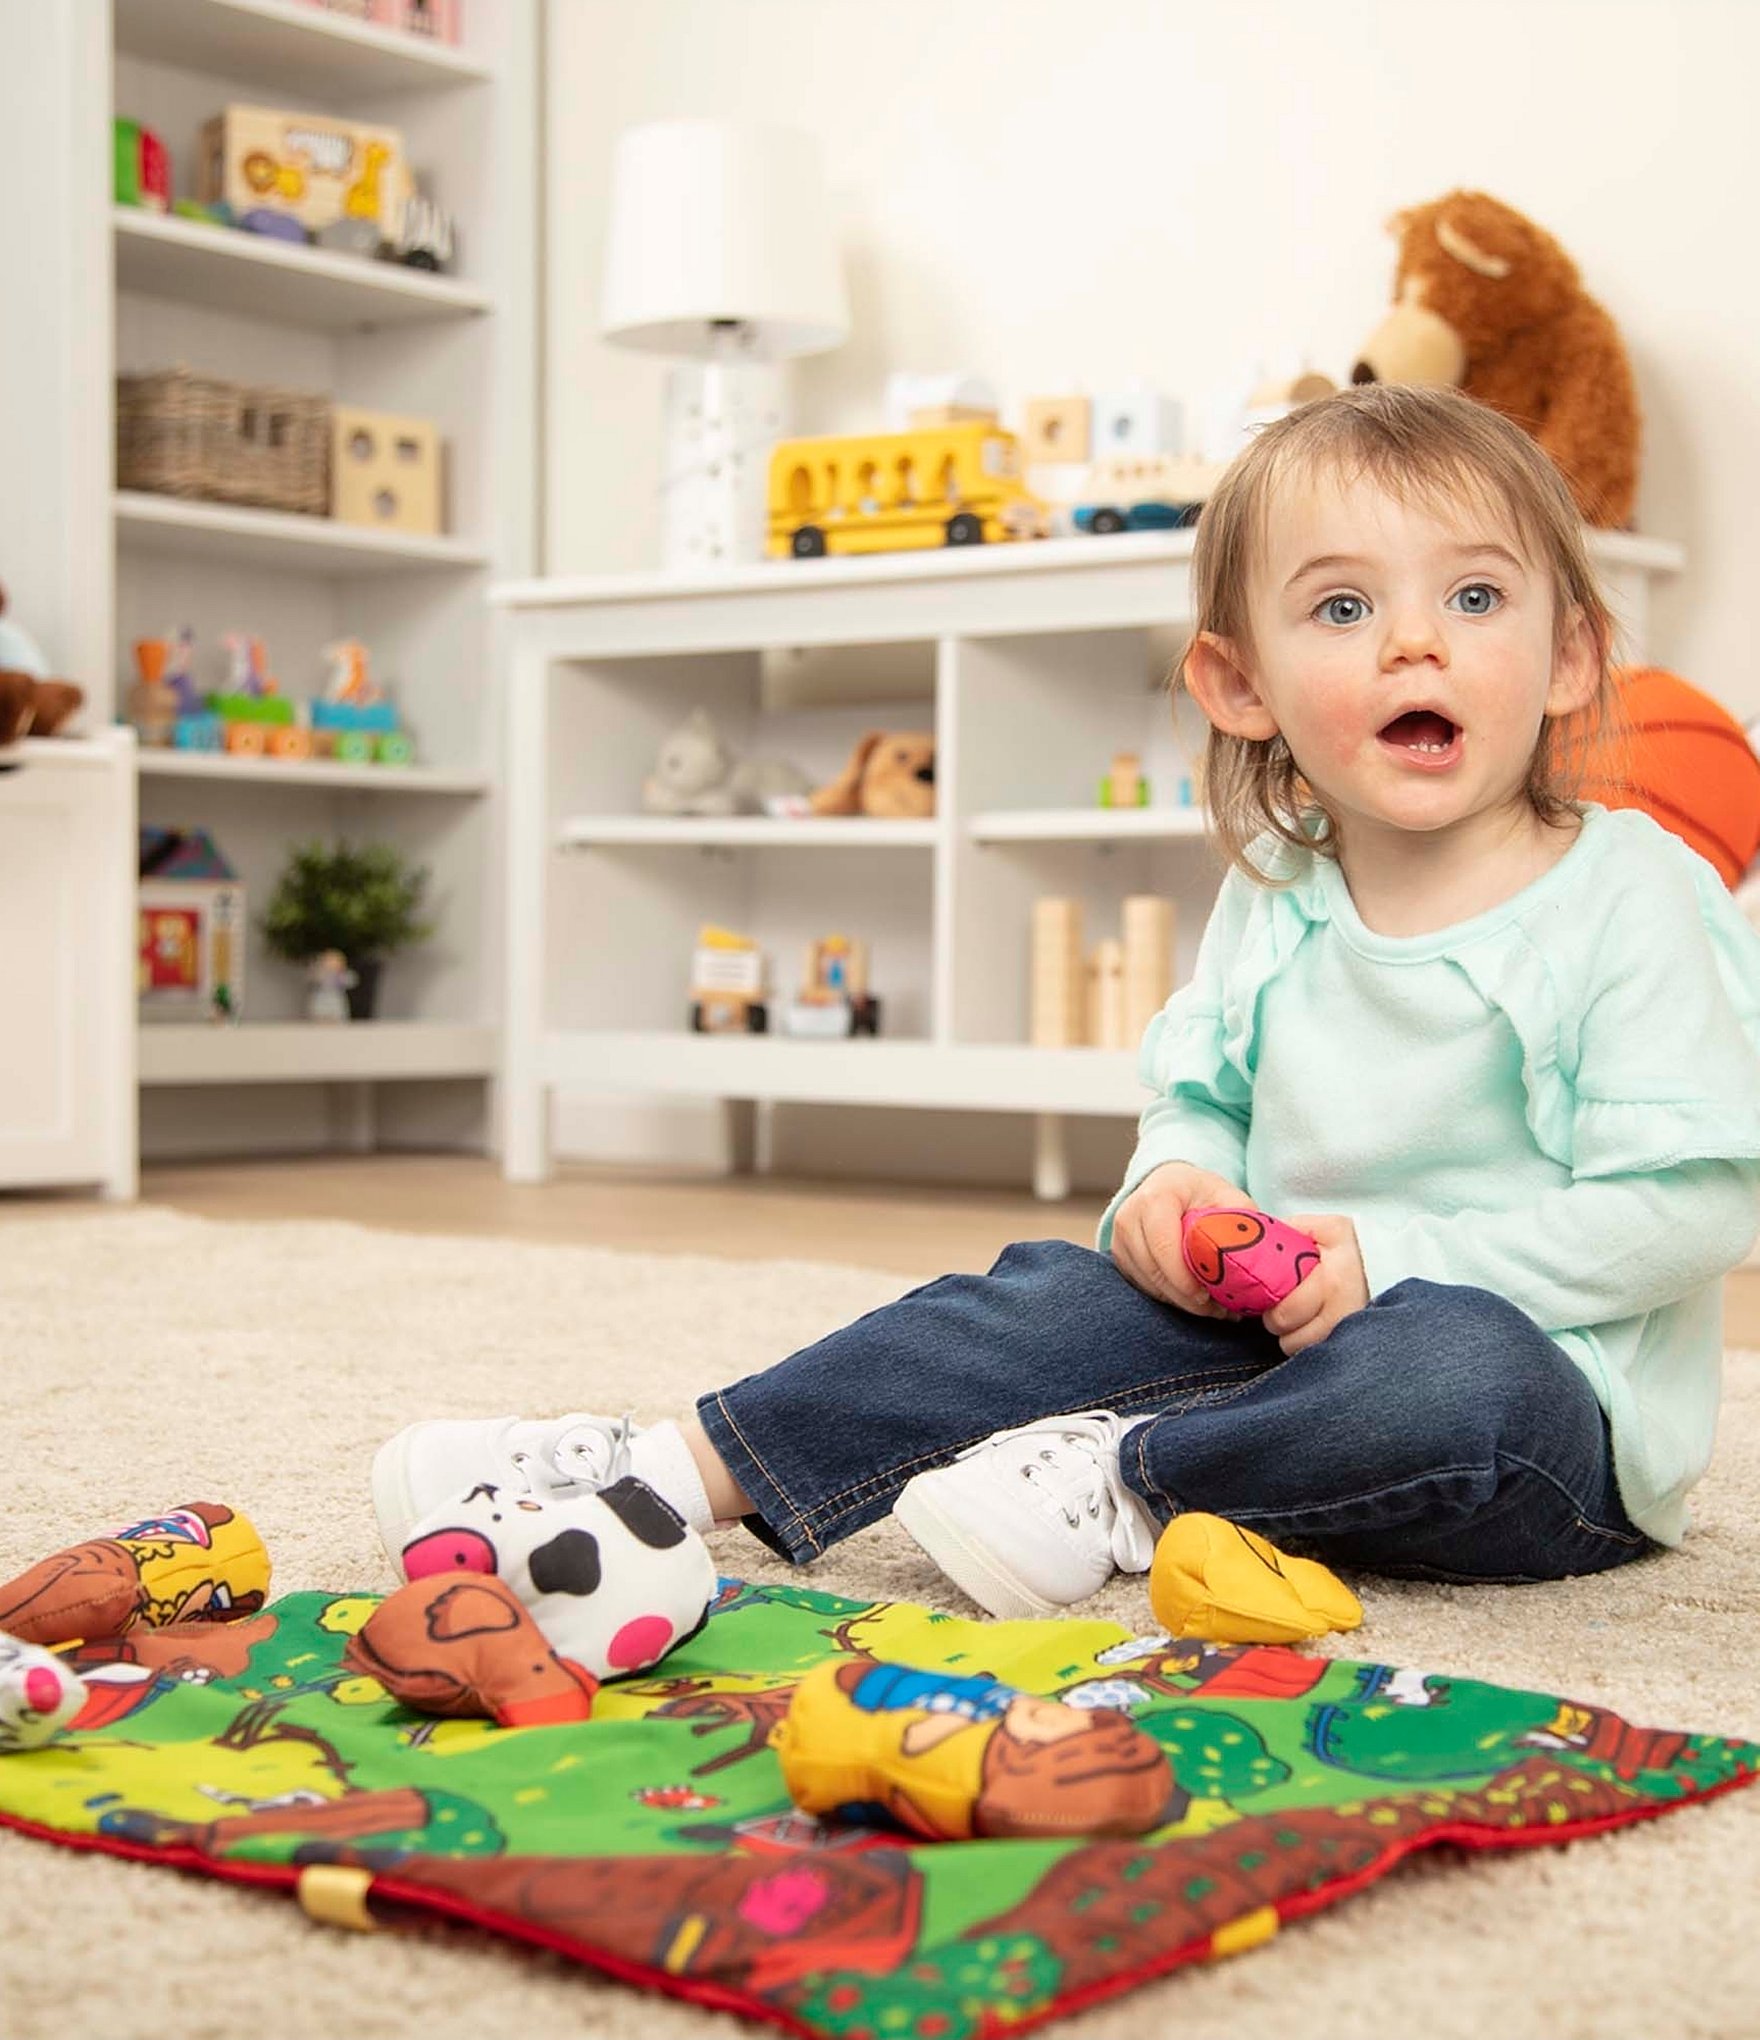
x=1478, y=598
x=1328, y=610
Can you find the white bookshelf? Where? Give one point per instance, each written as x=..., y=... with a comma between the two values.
x=94, y=568
x=269, y=775
x=1085, y=825
x=332, y=60
x=749, y=832
x=162, y=255
x=295, y=1052
x=1033, y=663
x=276, y=541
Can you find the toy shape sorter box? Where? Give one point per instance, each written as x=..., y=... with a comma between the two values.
x=311, y=166
x=192, y=926
x=385, y=471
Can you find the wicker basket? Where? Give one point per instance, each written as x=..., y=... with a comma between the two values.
x=179, y=434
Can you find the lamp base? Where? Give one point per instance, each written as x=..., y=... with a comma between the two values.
x=722, y=419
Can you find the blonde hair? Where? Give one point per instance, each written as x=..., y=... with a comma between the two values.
x=1430, y=446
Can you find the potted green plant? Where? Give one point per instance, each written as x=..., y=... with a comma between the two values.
x=363, y=901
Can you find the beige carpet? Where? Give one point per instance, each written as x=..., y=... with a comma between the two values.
x=151, y=1358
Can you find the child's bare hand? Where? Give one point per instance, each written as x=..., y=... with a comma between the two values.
x=1336, y=1288
x=1146, y=1234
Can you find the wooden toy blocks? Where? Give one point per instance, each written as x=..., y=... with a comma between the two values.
x=385, y=471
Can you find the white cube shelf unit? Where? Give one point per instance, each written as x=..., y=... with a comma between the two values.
x=93, y=568
x=1034, y=664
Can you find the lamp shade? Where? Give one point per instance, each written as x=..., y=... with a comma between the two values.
x=712, y=221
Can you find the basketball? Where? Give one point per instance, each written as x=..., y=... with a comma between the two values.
x=1687, y=762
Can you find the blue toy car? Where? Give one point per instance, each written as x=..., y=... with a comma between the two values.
x=1108, y=517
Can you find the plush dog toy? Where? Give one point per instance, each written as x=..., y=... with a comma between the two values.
x=889, y=774
x=1488, y=301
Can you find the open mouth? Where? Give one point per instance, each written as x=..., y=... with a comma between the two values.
x=1424, y=735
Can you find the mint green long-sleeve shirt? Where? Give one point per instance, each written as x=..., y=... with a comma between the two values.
x=1557, y=1100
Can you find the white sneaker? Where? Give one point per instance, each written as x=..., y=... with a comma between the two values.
x=427, y=1464
x=1035, y=1518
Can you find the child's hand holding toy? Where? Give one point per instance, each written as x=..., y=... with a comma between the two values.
x=1300, y=1276
x=1325, y=1293
x=1147, y=1235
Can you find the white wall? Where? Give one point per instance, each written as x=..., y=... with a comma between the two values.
x=1059, y=192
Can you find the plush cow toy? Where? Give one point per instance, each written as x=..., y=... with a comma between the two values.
x=518, y=1605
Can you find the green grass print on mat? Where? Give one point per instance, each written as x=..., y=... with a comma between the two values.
x=657, y=1840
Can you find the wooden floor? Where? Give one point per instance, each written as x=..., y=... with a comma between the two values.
x=916, y=1230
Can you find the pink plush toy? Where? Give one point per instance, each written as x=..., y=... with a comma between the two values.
x=1248, y=1261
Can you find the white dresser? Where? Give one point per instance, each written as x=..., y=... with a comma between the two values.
x=67, y=972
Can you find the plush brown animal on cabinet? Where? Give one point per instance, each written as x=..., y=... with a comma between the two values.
x=890, y=773
x=1488, y=301
x=31, y=704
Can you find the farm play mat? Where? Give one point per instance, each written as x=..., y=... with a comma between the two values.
x=657, y=1842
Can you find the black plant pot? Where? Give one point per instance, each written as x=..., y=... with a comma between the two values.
x=363, y=994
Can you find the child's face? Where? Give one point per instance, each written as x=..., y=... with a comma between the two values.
x=1407, y=656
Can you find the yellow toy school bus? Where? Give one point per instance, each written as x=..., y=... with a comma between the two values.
x=897, y=491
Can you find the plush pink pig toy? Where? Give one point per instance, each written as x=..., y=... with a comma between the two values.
x=1249, y=1262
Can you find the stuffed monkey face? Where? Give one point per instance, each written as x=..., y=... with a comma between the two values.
x=613, y=1580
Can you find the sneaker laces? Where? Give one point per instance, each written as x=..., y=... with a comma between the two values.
x=586, y=1452
x=1076, y=1469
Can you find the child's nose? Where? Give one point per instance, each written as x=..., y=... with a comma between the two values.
x=1413, y=635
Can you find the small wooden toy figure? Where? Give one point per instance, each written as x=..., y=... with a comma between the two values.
x=180, y=672
x=424, y=237
x=349, y=679
x=152, y=703
x=328, y=979
x=1124, y=785
x=834, y=998
x=249, y=674
x=166, y=693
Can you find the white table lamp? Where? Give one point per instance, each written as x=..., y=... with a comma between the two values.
x=720, y=254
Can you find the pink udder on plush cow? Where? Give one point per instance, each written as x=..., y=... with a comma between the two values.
x=639, y=1642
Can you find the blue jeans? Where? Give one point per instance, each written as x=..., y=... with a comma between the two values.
x=1437, y=1434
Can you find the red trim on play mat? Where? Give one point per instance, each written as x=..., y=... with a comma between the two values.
x=395, y=1890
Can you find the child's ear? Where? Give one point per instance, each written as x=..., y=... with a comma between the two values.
x=1220, y=682
x=1576, y=669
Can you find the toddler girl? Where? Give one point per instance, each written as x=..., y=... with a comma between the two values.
x=1494, y=1050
